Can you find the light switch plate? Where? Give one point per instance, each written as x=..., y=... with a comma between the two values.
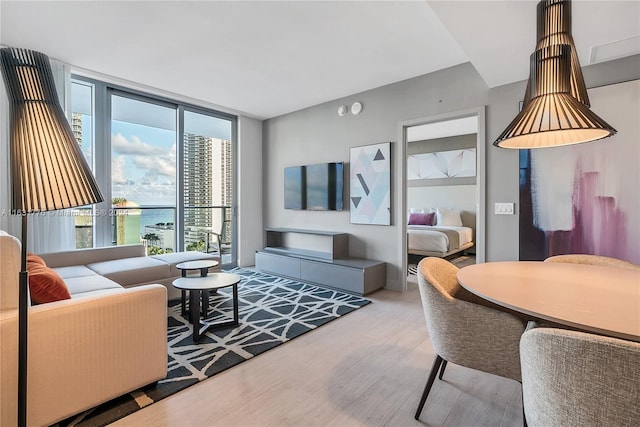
x=504, y=209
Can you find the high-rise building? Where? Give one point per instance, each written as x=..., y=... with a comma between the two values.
x=82, y=216
x=207, y=182
x=76, y=126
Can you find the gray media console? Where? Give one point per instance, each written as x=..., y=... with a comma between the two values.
x=319, y=257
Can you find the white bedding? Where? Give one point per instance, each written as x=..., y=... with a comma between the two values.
x=425, y=238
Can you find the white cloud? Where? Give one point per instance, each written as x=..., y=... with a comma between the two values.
x=136, y=146
x=158, y=165
x=143, y=173
x=117, y=170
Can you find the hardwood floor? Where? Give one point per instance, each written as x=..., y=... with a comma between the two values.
x=365, y=369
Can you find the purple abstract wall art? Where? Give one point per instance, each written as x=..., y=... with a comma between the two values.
x=586, y=198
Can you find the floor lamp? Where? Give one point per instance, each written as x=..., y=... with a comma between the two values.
x=48, y=170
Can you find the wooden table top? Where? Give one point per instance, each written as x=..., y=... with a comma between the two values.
x=604, y=300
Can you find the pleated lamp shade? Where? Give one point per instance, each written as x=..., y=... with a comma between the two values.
x=556, y=105
x=48, y=169
x=552, y=117
x=553, y=28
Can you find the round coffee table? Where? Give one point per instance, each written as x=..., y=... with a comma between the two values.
x=196, y=286
x=203, y=265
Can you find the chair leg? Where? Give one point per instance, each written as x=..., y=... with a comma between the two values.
x=442, y=368
x=524, y=415
x=427, y=387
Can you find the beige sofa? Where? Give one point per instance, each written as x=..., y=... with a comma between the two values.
x=107, y=340
x=83, y=269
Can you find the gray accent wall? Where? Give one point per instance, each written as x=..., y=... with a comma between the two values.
x=319, y=134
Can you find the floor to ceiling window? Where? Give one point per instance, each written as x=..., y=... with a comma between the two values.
x=143, y=173
x=207, y=182
x=166, y=170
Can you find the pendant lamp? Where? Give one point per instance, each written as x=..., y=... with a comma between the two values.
x=556, y=105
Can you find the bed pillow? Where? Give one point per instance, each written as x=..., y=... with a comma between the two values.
x=421, y=218
x=450, y=217
x=419, y=211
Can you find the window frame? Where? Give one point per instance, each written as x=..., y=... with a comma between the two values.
x=101, y=98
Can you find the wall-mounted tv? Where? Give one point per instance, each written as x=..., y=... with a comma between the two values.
x=314, y=187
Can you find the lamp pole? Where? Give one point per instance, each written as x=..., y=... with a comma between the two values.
x=23, y=309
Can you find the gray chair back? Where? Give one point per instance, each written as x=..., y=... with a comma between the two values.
x=462, y=330
x=593, y=260
x=572, y=378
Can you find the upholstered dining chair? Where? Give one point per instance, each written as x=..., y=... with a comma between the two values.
x=593, y=260
x=572, y=378
x=465, y=329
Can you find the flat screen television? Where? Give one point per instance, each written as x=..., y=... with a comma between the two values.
x=314, y=187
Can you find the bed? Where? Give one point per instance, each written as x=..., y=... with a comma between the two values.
x=440, y=241
x=439, y=232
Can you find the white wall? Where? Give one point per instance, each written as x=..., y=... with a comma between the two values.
x=250, y=229
x=461, y=197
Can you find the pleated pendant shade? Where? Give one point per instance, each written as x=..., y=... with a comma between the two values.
x=553, y=28
x=552, y=117
x=556, y=105
x=48, y=169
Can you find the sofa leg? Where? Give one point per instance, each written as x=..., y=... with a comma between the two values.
x=150, y=386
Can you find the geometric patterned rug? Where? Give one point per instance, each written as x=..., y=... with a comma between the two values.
x=272, y=311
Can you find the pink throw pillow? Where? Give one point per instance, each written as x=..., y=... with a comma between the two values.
x=421, y=218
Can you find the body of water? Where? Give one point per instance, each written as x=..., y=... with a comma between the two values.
x=155, y=216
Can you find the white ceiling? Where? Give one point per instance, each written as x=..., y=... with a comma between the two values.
x=268, y=58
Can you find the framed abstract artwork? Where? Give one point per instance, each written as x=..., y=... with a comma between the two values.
x=442, y=164
x=370, y=183
x=584, y=198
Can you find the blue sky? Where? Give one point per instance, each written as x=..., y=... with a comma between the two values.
x=143, y=164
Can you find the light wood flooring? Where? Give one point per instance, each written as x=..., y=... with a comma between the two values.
x=365, y=369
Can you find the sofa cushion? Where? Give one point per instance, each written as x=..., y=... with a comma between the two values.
x=91, y=255
x=78, y=286
x=45, y=285
x=74, y=271
x=131, y=271
x=174, y=258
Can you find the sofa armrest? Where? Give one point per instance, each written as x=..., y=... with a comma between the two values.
x=91, y=255
x=85, y=351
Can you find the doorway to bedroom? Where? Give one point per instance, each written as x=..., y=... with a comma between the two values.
x=443, y=182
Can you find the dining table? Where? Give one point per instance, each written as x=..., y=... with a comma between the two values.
x=593, y=298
